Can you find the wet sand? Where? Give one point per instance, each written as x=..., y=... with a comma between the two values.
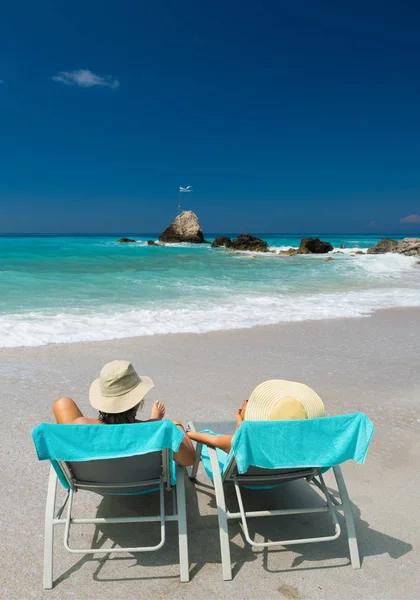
x=367, y=364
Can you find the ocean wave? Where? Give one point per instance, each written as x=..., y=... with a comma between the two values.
x=278, y=249
x=37, y=328
x=349, y=251
x=387, y=264
x=352, y=250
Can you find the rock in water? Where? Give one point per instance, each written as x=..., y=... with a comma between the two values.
x=221, y=241
x=328, y=259
x=385, y=245
x=248, y=242
x=185, y=228
x=126, y=241
x=153, y=243
x=409, y=246
x=314, y=246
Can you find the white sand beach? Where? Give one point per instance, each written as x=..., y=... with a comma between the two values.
x=369, y=365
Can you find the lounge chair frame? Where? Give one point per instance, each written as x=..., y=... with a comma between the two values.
x=104, y=488
x=261, y=477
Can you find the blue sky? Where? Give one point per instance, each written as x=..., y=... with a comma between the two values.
x=284, y=116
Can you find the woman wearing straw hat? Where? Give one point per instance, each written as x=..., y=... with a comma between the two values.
x=117, y=394
x=272, y=400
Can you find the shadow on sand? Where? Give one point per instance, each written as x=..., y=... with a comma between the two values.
x=204, y=539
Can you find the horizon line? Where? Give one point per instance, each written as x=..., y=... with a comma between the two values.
x=151, y=233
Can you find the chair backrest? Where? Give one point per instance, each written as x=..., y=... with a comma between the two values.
x=110, y=458
x=297, y=445
x=129, y=475
x=257, y=476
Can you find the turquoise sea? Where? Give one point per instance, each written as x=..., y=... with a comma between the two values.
x=56, y=289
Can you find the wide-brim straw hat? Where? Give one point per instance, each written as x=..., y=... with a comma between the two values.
x=118, y=388
x=278, y=399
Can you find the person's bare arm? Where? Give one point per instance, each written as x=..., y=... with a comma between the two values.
x=224, y=442
x=185, y=457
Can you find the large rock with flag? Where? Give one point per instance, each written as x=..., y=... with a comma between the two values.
x=185, y=228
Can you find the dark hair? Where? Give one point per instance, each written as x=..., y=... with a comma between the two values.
x=128, y=416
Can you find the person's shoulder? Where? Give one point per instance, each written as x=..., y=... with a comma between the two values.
x=86, y=421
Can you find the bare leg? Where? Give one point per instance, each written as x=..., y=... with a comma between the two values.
x=185, y=457
x=66, y=410
x=158, y=411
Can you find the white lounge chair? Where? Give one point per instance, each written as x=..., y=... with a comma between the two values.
x=341, y=439
x=112, y=460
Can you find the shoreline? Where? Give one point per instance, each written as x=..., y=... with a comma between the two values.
x=300, y=351
x=377, y=314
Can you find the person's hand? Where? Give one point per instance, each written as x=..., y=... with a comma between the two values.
x=240, y=413
x=158, y=411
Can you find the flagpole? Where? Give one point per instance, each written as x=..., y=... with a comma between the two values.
x=181, y=189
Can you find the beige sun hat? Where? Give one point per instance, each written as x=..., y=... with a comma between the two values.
x=118, y=387
x=277, y=399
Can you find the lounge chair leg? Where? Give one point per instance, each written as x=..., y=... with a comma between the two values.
x=192, y=471
x=222, y=516
x=49, y=530
x=349, y=518
x=182, y=525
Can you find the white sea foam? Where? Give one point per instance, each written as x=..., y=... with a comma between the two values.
x=388, y=264
x=348, y=251
x=36, y=328
x=278, y=249
x=182, y=245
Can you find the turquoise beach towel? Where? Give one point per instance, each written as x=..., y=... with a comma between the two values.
x=95, y=442
x=320, y=442
x=323, y=442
